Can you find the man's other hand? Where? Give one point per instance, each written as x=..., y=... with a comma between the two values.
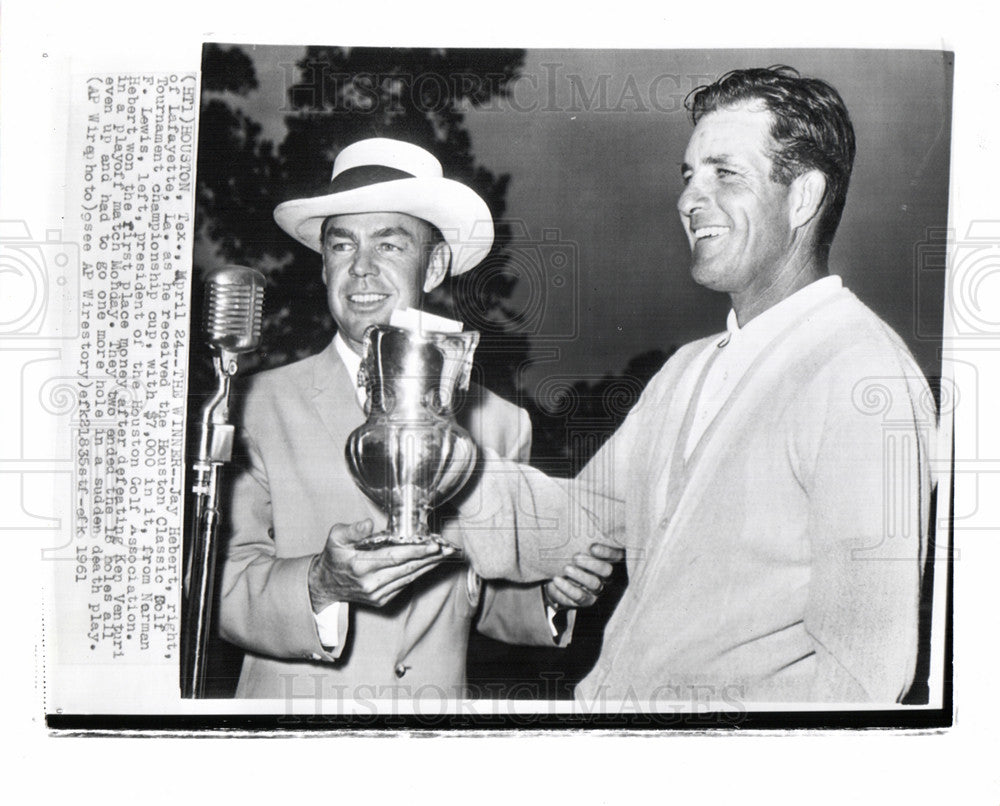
x=584, y=577
x=343, y=573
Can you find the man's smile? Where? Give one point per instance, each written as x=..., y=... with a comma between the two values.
x=367, y=299
x=701, y=233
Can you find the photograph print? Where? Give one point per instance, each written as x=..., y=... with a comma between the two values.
x=605, y=381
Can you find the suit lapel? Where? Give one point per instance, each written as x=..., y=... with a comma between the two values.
x=336, y=406
x=333, y=396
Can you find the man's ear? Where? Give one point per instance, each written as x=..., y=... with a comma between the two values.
x=806, y=197
x=437, y=266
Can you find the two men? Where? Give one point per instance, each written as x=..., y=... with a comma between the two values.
x=318, y=617
x=771, y=486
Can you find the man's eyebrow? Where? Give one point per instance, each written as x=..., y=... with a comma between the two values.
x=388, y=232
x=382, y=232
x=339, y=232
x=712, y=159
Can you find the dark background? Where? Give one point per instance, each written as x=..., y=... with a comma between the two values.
x=587, y=291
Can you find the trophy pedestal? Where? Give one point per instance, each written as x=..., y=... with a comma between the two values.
x=408, y=525
x=386, y=538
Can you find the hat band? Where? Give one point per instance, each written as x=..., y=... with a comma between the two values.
x=362, y=175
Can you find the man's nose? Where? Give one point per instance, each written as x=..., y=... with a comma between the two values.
x=692, y=198
x=363, y=265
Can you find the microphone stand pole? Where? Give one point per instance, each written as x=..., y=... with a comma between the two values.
x=214, y=450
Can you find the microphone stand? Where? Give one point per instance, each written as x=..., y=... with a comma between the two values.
x=214, y=450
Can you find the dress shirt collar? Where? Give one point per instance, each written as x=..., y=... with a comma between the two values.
x=352, y=362
x=350, y=358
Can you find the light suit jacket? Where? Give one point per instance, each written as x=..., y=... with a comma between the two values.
x=294, y=486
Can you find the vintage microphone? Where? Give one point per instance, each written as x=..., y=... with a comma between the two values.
x=234, y=302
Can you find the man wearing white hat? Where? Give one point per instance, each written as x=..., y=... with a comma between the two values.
x=319, y=618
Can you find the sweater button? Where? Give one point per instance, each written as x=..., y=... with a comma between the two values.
x=400, y=670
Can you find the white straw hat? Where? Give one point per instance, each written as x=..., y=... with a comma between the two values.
x=389, y=176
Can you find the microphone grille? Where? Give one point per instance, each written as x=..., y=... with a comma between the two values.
x=234, y=306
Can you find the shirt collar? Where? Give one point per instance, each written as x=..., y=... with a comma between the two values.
x=776, y=317
x=352, y=361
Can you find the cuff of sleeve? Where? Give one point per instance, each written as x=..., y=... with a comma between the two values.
x=561, y=623
x=331, y=625
x=303, y=632
x=556, y=625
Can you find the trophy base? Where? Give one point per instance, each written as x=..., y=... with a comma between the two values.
x=385, y=539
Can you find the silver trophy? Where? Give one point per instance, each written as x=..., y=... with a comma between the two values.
x=411, y=455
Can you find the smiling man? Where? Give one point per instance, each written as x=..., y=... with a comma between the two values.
x=318, y=617
x=771, y=486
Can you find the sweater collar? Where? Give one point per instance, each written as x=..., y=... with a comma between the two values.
x=765, y=326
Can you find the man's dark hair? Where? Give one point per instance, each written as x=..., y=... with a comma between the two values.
x=810, y=125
